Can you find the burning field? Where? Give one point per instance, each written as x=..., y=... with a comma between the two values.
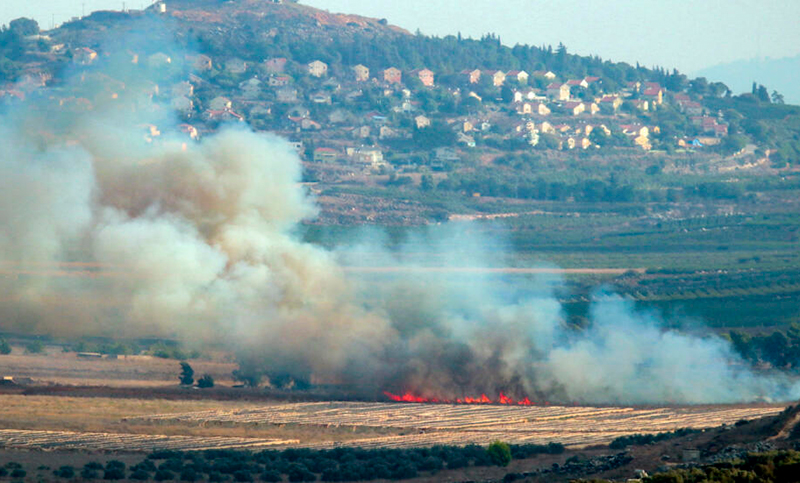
x=197, y=241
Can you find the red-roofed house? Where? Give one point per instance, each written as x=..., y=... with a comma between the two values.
x=654, y=94
x=425, y=76
x=578, y=83
x=610, y=104
x=498, y=77
x=275, y=65
x=392, y=75
x=471, y=76
x=574, y=108
x=518, y=75
x=558, y=91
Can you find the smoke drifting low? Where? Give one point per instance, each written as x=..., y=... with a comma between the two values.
x=196, y=240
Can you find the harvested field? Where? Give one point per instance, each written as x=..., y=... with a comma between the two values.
x=68, y=440
x=464, y=424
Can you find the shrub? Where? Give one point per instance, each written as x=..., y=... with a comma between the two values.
x=65, y=472
x=205, y=382
x=34, y=347
x=163, y=475
x=242, y=476
x=88, y=473
x=114, y=474
x=18, y=473
x=272, y=476
x=3, y=472
x=217, y=476
x=5, y=348
x=189, y=474
x=499, y=453
x=140, y=474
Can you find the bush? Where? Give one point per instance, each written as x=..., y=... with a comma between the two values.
x=163, y=475
x=140, y=474
x=88, y=473
x=3, y=472
x=34, y=347
x=270, y=476
x=205, y=382
x=298, y=472
x=217, y=476
x=114, y=474
x=242, y=476
x=499, y=453
x=5, y=348
x=64, y=472
x=189, y=474
x=18, y=473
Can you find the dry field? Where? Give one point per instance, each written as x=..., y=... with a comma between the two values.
x=431, y=424
x=60, y=367
x=102, y=424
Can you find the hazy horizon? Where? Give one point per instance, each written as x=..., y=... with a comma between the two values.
x=620, y=30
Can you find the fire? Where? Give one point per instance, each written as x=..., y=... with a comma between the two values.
x=483, y=399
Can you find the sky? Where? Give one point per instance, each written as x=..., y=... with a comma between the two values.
x=689, y=35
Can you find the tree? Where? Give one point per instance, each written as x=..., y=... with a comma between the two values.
x=500, y=453
x=24, y=26
x=5, y=348
x=777, y=97
x=187, y=374
x=205, y=382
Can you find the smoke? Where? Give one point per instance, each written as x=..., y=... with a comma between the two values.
x=197, y=240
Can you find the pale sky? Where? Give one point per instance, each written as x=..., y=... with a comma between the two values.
x=687, y=34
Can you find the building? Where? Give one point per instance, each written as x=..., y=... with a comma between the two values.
x=220, y=103
x=317, y=68
x=361, y=73
x=518, y=75
x=325, y=155
x=498, y=77
x=471, y=76
x=371, y=157
x=610, y=104
x=83, y=56
x=425, y=76
x=275, y=65
x=236, y=66
x=392, y=76
x=422, y=121
x=558, y=91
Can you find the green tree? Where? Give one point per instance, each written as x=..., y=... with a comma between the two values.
x=205, y=382
x=500, y=453
x=187, y=374
x=5, y=348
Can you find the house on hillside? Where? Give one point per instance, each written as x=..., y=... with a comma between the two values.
x=251, y=88
x=392, y=75
x=640, y=104
x=279, y=80
x=182, y=89
x=498, y=77
x=182, y=105
x=573, y=108
x=425, y=76
x=422, y=121
x=220, y=103
x=577, y=83
x=317, y=68
x=361, y=73
x=590, y=108
x=275, y=65
x=691, y=108
x=286, y=95
x=159, y=60
x=640, y=135
x=470, y=76
x=201, y=62
x=610, y=104
x=325, y=155
x=83, y=56
x=236, y=66
x=558, y=91
x=653, y=94
x=518, y=75
x=545, y=74
x=225, y=115
x=370, y=157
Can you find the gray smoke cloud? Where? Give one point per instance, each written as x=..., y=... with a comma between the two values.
x=197, y=240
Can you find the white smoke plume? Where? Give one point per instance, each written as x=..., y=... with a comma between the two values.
x=196, y=240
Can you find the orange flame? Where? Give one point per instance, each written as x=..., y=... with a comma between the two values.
x=483, y=399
